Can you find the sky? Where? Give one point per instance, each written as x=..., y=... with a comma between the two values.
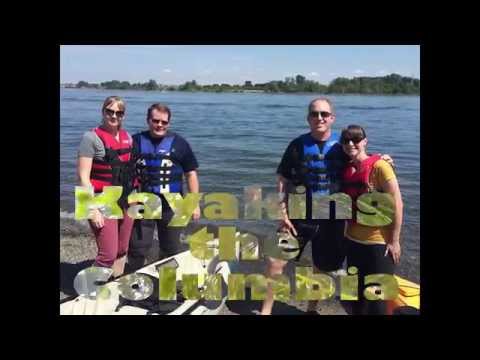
x=233, y=64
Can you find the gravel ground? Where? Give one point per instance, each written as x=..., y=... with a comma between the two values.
x=78, y=249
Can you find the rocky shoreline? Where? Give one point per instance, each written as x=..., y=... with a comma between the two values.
x=78, y=250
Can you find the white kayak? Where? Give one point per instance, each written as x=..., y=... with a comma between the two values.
x=115, y=304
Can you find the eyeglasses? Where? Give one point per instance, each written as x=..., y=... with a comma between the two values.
x=119, y=113
x=163, y=122
x=345, y=141
x=323, y=114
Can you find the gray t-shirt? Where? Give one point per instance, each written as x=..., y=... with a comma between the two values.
x=91, y=146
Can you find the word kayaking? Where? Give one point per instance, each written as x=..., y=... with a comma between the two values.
x=372, y=209
x=308, y=286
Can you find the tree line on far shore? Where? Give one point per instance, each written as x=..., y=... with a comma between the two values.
x=390, y=84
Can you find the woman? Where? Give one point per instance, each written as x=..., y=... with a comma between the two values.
x=372, y=249
x=104, y=160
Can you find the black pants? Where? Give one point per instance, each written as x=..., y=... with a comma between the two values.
x=142, y=239
x=328, y=242
x=369, y=259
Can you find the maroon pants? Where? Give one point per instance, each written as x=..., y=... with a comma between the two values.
x=112, y=239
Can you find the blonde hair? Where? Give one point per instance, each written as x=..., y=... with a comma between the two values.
x=114, y=99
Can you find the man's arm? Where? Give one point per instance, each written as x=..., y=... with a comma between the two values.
x=285, y=224
x=284, y=170
x=193, y=187
x=192, y=181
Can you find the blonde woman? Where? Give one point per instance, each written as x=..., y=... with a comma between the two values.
x=104, y=160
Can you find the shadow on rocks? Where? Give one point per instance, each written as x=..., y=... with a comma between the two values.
x=253, y=307
x=68, y=272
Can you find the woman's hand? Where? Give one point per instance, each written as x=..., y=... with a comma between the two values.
x=388, y=159
x=286, y=225
x=97, y=219
x=196, y=213
x=395, y=250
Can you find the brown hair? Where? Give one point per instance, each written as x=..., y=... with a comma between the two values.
x=158, y=107
x=355, y=132
x=332, y=109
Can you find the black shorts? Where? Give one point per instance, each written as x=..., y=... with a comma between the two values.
x=368, y=259
x=142, y=237
x=328, y=243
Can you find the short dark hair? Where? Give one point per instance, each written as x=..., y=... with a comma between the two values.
x=328, y=101
x=352, y=132
x=158, y=107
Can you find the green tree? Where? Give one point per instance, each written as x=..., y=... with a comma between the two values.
x=124, y=85
x=390, y=84
x=300, y=79
x=151, y=85
x=82, y=84
x=113, y=84
x=272, y=86
x=189, y=86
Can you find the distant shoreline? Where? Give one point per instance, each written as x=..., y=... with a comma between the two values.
x=243, y=92
x=392, y=84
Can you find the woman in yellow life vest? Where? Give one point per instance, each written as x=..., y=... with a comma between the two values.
x=371, y=249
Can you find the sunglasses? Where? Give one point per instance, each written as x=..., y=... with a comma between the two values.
x=119, y=113
x=163, y=122
x=345, y=141
x=323, y=114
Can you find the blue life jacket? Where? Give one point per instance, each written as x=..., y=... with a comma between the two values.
x=161, y=172
x=322, y=170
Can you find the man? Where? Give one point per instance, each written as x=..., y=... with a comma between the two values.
x=314, y=162
x=162, y=159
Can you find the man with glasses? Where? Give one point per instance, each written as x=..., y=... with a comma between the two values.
x=163, y=158
x=312, y=165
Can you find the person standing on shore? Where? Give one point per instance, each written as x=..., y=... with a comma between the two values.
x=163, y=158
x=371, y=249
x=313, y=161
x=104, y=160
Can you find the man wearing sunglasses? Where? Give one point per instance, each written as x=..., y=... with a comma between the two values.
x=163, y=158
x=312, y=165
